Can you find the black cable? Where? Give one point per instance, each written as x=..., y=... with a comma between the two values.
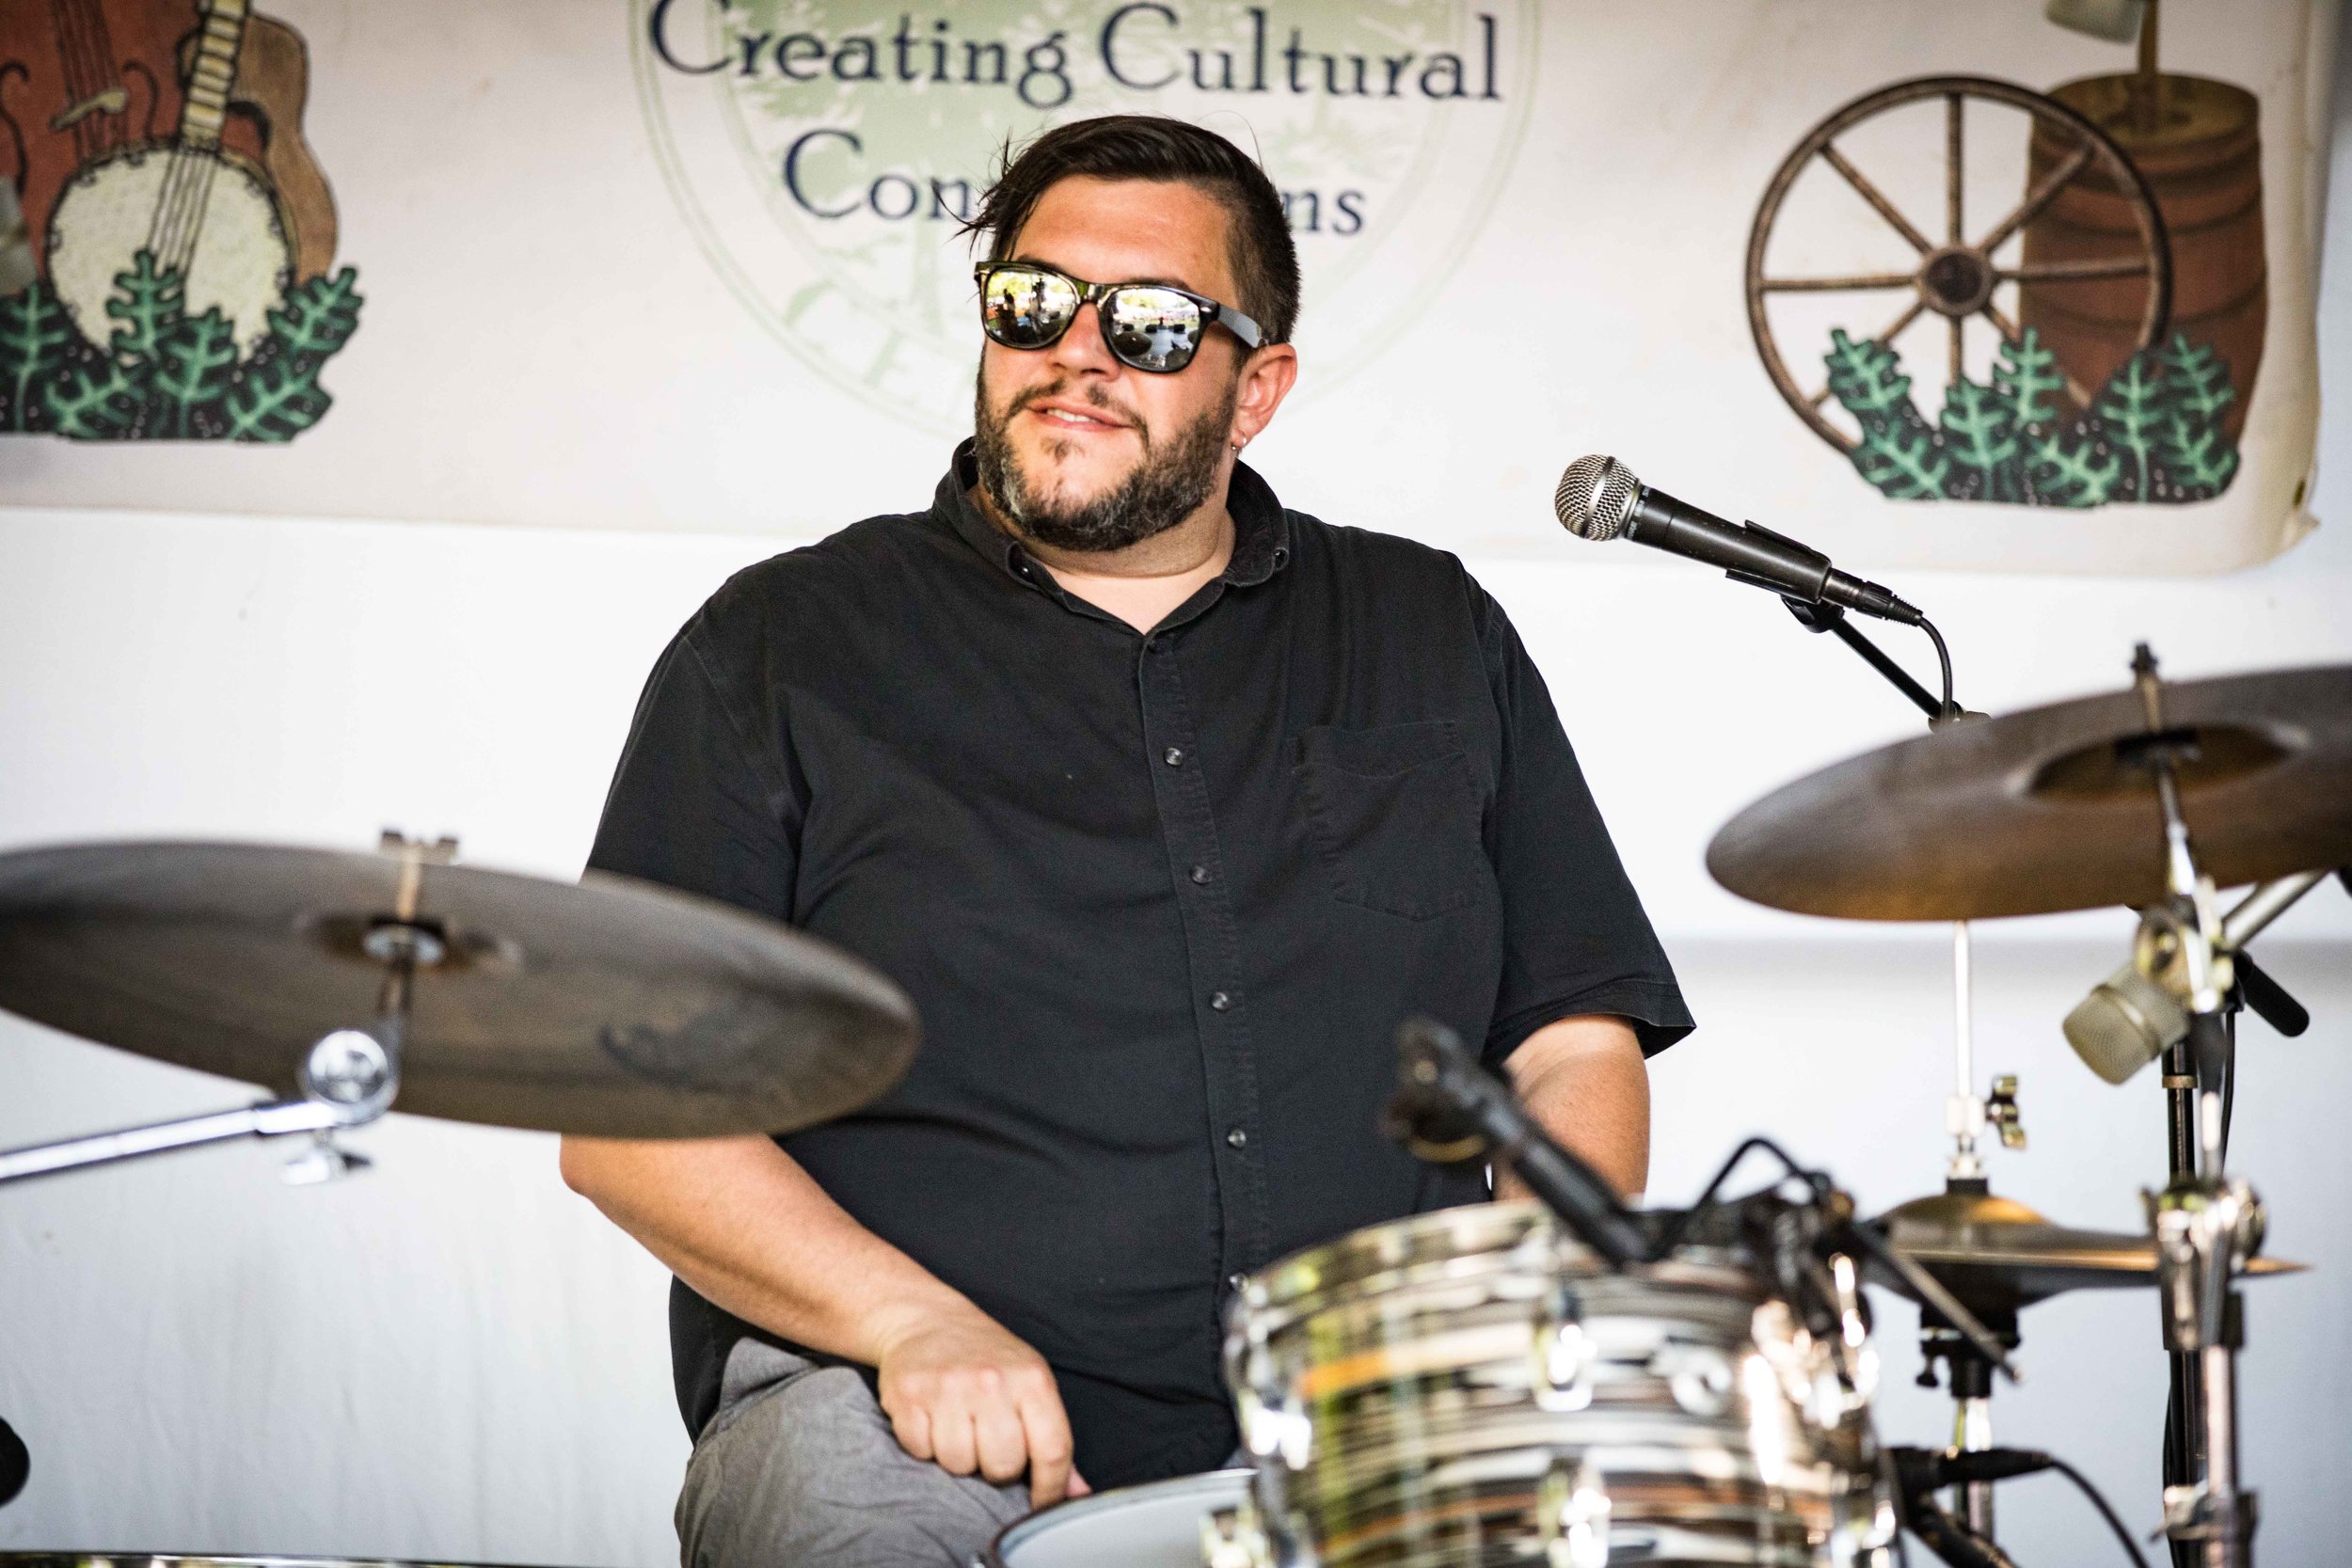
x=2131, y=1547
x=1680, y=1226
x=1943, y=658
x=2229, y=1081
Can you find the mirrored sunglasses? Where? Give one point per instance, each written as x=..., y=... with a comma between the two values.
x=1149, y=326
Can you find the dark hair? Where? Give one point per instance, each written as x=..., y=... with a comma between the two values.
x=1153, y=147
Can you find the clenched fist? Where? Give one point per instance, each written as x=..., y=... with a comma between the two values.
x=963, y=1393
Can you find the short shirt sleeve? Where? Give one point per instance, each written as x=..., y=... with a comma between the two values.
x=699, y=802
x=1575, y=939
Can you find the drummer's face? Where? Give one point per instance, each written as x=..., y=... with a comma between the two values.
x=1076, y=423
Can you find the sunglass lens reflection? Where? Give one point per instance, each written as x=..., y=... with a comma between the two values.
x=1023, y=309
x=1153, y=329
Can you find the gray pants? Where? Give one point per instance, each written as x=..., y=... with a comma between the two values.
x=799, y=1469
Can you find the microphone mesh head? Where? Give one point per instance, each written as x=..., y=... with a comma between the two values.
x=2125, y=1023
x=1595, y=495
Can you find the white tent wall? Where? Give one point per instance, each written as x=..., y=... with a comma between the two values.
x=451, y=1355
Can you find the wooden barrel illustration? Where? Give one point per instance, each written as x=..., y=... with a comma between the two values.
x=2203, y=161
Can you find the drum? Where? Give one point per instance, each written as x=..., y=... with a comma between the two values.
x=1471, y=1388
x=1160, y=1525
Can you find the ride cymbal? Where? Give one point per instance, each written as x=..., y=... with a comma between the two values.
x=610, y=1008
x=2046, y=810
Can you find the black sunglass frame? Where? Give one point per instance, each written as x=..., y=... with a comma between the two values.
x=1099, y=295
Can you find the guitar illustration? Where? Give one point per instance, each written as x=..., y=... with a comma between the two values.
x=197, y=206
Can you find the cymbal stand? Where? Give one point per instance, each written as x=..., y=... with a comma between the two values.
x=348, y=1078
x=2206, y=1224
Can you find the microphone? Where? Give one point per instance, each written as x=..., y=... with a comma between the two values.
x=2129, y=1020
x=1449, y=1109
x=1933, y=1469
x=1599, y=499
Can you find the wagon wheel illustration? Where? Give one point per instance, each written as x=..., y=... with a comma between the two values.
x=1956, y=277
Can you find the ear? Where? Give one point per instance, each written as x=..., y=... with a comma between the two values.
x=1266, y=378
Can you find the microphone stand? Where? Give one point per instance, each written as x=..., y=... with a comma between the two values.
x=1819, y=615
x=1967, y=1114
x=2206, y=1223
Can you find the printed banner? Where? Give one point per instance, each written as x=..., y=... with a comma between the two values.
x=1981, y=287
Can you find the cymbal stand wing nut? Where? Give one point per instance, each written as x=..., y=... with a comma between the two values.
x=2002, y=1113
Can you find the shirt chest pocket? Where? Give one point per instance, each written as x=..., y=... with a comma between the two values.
x=1394, y=812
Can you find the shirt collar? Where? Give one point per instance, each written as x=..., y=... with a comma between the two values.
x=1262, y=530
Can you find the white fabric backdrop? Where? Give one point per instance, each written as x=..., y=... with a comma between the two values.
x=454, y=1356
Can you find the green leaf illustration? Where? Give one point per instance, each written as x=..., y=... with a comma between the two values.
x=276, y=398
x=1904, y=462
x=147, y=304
x=2023, y=372
x=1865, y=377
x=2131, y=407
x=100, y=401
x=194, y=364
x=319, y=315
x=1981, y=439
x=37, y=342
x=2196, y=456
x=2066, y=470
x=2196, y=378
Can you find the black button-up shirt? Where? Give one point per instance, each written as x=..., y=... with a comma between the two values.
x=1161, y=900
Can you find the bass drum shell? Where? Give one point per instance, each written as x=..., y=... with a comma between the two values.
x=1157, y=1524
x=1469, y=1387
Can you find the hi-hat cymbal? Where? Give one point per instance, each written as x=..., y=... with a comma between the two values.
x=609, y=1008
x=2037, y=811
x=1997, y=1255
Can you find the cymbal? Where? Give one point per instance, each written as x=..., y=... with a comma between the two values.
x=609, y=1008
x=1997, y=1255
x=2037, y=811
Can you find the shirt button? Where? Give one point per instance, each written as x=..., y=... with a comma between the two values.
x=1235, y=1281
x=1219, y=1001
x=1237, y=1138
x=1174, y=756
x=1200, y=875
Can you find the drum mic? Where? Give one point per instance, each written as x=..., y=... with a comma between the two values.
x=1933, y=1469
x=2129, y=1020
x=1599, y=499
x=1449, y=1109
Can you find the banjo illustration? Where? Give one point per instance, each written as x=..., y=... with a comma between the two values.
x=196, y=207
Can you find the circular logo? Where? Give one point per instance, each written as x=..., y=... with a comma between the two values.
x=825, y=156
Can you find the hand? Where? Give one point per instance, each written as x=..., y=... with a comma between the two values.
x=965, y=1394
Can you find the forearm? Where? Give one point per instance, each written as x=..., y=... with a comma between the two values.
x=741, y=1222
x=1583, y=1081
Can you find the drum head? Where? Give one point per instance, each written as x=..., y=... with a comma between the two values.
x=1154, y=1525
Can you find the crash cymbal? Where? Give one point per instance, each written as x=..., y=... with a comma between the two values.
x=1997, y=1255
x=2041, y=811
x=609, y=1008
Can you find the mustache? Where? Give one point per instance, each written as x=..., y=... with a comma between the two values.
x=1093, y=397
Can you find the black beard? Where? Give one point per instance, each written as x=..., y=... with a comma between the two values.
x=1162, y=490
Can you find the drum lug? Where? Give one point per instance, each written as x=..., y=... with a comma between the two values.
x=1572, y=1514
x=1272, y=1424
x=1700, y=1377
x=1236, y=1538
x=1564, y=1355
